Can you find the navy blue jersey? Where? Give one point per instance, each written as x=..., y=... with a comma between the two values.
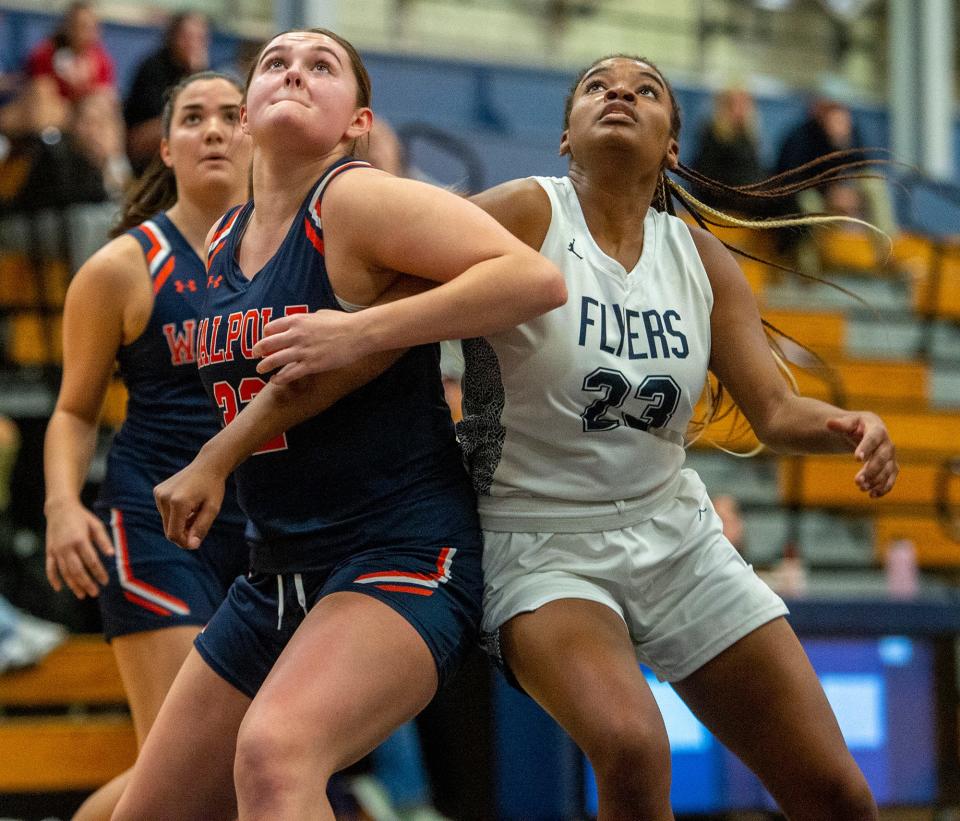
x=168, y=414
x=381, y=467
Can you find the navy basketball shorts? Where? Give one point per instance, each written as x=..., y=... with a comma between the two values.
x=155, y=584
x=437, y=589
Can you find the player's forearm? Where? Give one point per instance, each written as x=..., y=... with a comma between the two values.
x=798, y=424
x=68, y=449
x=488, y=298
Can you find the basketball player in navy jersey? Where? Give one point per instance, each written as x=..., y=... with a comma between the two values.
x=366, y=580
x=137, y=301
x=599, y=548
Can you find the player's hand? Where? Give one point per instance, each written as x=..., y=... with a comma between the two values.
x=188, y=502
x=867, y=436
x=74, y=535
x=303, y=344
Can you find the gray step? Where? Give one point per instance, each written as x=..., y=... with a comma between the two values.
x=878, y=294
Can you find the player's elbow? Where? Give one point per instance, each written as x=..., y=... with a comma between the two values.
x=550, y=287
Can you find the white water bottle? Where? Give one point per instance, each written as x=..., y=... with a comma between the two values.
x=903, y=580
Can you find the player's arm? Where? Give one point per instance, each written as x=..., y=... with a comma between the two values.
x=489, y=280
x=109, y=293
x=782, y=420
x=190, y=500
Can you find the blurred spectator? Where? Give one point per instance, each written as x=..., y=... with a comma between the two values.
x=82, y=162
x=25, y=639
x=243, y=56
x=383, y=148
x=727, y=150
x=185, y=50
x=36, y=107
x=98, y=132
x=828, y=128
x=728, y=509
x=73, y=56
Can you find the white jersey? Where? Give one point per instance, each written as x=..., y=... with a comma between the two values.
x=591, y=402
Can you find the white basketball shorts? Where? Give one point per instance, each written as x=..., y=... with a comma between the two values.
x=682, y=589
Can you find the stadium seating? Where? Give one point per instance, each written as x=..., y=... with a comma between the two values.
x=64, y=725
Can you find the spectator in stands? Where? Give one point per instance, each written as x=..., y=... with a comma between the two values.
x=728, y=509
x=73, y=57
x=828, y=128
x=185, y=50
x=65, y=127
x=25, y=639
x=384, y=149
x=727, y=149
x=35, y=107
x=97, y=129
x=78, y=160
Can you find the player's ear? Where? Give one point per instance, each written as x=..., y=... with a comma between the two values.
x=165, y=152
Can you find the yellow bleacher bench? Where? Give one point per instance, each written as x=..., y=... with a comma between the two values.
x=75, y=750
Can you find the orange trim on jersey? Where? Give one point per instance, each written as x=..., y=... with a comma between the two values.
x=441, y=574
x=133, y=585
x=212, y=255
x=149, y=605
x=312, y=235
x=402, y=588
x=154, y=243
x=161, y=278
x=225, y=227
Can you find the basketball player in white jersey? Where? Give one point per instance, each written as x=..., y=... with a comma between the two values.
x=600, y=549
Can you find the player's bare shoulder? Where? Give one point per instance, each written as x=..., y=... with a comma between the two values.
x=520, y=206
x=114, y=289
x=120, y=264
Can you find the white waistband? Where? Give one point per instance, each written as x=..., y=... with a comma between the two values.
x=522, y=514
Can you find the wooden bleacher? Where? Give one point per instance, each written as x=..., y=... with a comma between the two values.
x=34, y=338
x=63, y=723
x=827, y=482
x=32, y=293
x=936, y=289
x=936, y=433
x=934, y=546
x=822, y=331
x=850, y=249
x=875, y=384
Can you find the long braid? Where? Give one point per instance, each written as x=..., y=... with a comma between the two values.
x=705, y=216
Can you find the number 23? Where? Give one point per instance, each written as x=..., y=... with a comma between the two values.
x=660, y=393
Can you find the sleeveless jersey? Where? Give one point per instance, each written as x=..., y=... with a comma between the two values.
x=379, y=468
x=590, y=402
x=168, y=414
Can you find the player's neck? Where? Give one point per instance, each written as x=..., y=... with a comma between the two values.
x=280, y=185
x=193, y=220
x=613, y=205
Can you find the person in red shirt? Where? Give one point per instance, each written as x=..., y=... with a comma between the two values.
x=73, y=57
